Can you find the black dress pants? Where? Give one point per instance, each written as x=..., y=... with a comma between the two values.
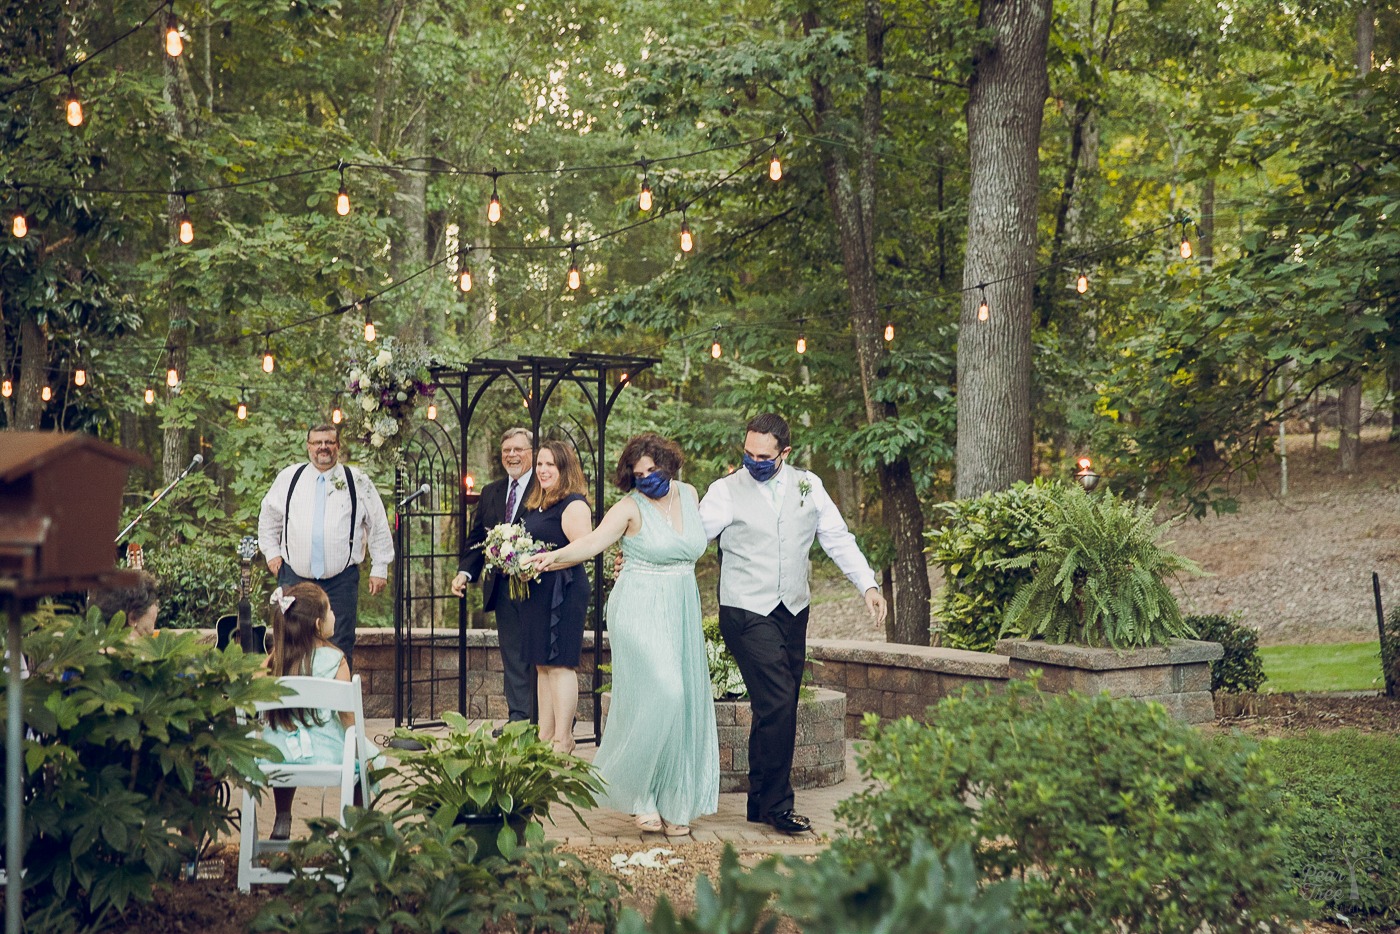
x=771, y=652
x=343, y=592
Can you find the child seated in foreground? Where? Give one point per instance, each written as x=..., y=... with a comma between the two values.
x=302, y=623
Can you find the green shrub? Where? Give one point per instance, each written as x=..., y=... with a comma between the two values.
x=829, y=896
x=976, y=534
x=1390, y=654
x=1343, y=841
x=131, y=738
x=409, y=872
x=1114, y=816
x=197, y=585
x=1241, y=668
x=1098, y=575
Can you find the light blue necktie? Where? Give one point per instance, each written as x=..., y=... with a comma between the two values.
x=318, y=530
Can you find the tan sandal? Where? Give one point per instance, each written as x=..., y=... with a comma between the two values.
x=650, y=823
x=675, y=830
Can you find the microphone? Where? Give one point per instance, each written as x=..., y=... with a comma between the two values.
x=195, y=462
x=422, y=490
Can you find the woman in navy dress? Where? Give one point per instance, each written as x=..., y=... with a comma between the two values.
x=556, y=513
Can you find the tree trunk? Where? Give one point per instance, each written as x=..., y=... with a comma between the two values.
x=384, y=72
x=1349, y=415
x=178, y=98
x=853, y=207
x=33, y=366
x=1206, y=457
x=1005, y=103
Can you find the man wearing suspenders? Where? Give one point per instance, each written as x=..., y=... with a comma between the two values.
x=316, y=523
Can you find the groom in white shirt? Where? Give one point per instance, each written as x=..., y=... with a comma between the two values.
x=766, y=517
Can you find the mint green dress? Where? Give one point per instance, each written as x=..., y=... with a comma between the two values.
x=660, y=750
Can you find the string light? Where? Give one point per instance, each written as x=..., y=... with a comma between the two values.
x=268, y=364
x=172, y=377
x=644, y=199
x=150, y=396
x=432, y=412
x=1185, y=245
x=1081, y=285
x=801, y=336
x=337, y=416
x=775, y=168
x=575, y=280
x=491, y=316
x=687, y=241
x=73, y=108
x=342, y=200
x=889, y=330
x=46, y=393
x=983, y=310
x=20, y=225
x=80, y=377
x=369, y=326
x=7, y=389
x=174, y=43
x=242, y=404
x=715, y=349
x=183, y=223
x=464, y=278
x=493, y=210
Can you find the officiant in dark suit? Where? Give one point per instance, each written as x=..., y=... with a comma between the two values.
x=502, y=501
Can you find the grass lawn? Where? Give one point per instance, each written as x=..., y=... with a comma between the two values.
x=1351, y=666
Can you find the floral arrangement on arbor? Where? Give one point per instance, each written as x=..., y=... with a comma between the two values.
x=386, y=388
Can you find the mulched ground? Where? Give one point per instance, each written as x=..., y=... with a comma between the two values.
x=1292, y=714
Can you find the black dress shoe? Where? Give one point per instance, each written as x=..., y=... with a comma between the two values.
x=497, y=732
x=788, y=822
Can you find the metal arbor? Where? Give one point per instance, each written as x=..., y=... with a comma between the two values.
x=436, y=459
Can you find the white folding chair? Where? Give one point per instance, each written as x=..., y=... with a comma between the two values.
x=333, y=697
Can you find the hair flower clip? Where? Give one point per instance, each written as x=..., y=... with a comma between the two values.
x=277, y=599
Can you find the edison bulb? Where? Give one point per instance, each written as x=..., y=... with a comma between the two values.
x=172, y=377
x=983, y=312
x=369, y=331
x=464, y=281
x=336, y=415
x=80, y=377
x=1081, y=285
x=644, y=199
x=574, y=279
x=802, y=345
x=150, y=395
x=19, y=227
x=775, y=169
x=889, y=332
x=1185, y=248
x=268, y=363
x=7, y=389
x=242, y=411
x=174, y=45
x=493, y=210
x=342, y=202
x=715, y=350
x=75, y=112
x=186, y=230
x=687, y=241
x=432, y=412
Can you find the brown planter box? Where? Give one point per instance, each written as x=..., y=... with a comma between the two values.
x=818, y=758
x=1176, y=675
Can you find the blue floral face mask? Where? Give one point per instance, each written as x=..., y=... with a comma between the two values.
x=654, y=485
x=762, y=471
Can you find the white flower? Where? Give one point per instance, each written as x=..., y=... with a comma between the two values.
x=387, y=426
x=356, y=375
x=401, y=396
x=376, y=440
x=384, y=359
x=369, y=403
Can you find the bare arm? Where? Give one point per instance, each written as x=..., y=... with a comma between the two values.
x=343, y=674
x=620, y=520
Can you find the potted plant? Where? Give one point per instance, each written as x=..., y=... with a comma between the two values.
x=498, y=786
x=1098, y=611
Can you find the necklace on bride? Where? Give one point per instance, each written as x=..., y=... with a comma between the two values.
x=670, y=506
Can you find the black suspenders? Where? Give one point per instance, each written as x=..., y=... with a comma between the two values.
x=354, y=507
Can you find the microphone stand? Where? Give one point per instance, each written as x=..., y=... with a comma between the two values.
x=158, y=497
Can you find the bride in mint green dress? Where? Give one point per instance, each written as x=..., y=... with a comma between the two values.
x=660, y=752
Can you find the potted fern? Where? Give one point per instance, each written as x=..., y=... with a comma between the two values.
x=498, y=786
x=1098, y=611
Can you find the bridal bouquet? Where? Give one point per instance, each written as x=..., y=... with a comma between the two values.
x=507, y=549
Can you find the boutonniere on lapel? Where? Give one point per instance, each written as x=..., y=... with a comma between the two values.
x=338, y=481
x=804, y=488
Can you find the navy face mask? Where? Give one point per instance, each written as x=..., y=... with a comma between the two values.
x=654, y=485
x=762, y=471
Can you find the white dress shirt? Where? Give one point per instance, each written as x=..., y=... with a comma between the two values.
x=372, y=532
x=717, y=512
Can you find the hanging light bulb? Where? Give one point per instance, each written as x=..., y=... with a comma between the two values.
x=687, y=241
x=150, y=395
x=575, y=280
x=185, y=226
x=491, y=316
x=7, y=389
x=80, y=377
x=242, y=410
x=983, y=310
x=775, y=168
x=73, y=108
x=268, y=364
x=464, y=278
x=337, y=416
x=174, y=44
x=342, y=200
x=1081, y=285
x=644, y=199
x=889, y=331
x=801, y=336
x=1185, y=245
x=46, y=393
x=715, y=349
x=369, y=327
x=172, y=377
x=432, y=412
x=493, y=210
x=20, y=225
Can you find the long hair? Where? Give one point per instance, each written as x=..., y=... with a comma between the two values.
x=296, y=636
x=571, y=479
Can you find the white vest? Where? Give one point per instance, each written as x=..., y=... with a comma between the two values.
x=766, y=552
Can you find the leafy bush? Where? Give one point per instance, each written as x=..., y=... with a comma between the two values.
x=1343, y=843
x=197, y=585
x=1114, y=816
x=130, y=739
x=407, y=873
x=828, y=896
x=1241, y=668
x=976, y=535
x=1390, y=654
x=726, y=681
x=1098, y=575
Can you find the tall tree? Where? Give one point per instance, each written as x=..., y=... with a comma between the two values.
x=1004, y=111
x=1349, y=407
